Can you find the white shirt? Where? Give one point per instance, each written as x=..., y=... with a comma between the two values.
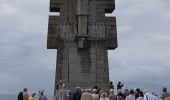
x=105, y=99
x=130, y=97
x=149, y=96
x=95, y=97
x=140, y=98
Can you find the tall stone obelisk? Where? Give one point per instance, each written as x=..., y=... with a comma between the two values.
x=82, y=34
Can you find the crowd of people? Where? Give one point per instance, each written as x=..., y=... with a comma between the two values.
x=122, y=93
x=98, y=94
x=23, y=95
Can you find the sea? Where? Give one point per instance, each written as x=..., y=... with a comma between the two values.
x=14, y=97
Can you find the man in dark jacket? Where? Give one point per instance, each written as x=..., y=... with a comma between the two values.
x=119, y=85
x=77, y=94
x=20, y=95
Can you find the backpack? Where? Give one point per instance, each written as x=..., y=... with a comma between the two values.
x=20, y=96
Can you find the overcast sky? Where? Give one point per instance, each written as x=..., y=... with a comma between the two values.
x=141, y=60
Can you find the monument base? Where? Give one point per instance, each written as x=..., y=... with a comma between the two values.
x=83, y=68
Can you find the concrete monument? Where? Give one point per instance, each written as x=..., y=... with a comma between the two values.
x=82, y=34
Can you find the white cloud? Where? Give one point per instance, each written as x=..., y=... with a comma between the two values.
x=142, y=60
x=7, y=9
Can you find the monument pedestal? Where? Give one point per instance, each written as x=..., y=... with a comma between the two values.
x=84, y=68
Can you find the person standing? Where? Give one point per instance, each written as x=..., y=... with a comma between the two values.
x=164, y=93
x=120, y=96
x=77, y=94
x=25, y=94
x=112, y=95
x=111, y=85
x=86, y=95
x=119, y=85
x=32, y=96
x=20, y=95
x=42, y=96
x=95, y=96
x=140, y=96
x=149, y=96
x=62, y=93
x=103, y=96
x=136, y=92
x=131, y=96
x=126, y=92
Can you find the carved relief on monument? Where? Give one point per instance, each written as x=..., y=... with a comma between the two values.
x=68, y=29
x=96, y=30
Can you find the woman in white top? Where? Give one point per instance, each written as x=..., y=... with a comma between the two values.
x=140, y=96
x=103, y=96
